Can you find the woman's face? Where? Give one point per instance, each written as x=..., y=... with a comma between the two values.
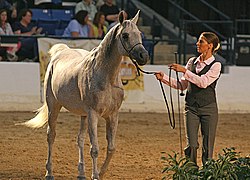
x=86, y=19
x=3, y=16
x=102, y=20
x=203, y=45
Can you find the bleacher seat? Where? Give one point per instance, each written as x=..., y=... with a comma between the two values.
x=48, y=25
x=41, y=14
x=59, y=32
x=62, y=14
x=63, y=24
x=52, y=19
x=149, y=46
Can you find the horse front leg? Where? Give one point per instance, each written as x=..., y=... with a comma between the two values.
x=51, y=134
x=81, y=164
x=94, y=149
x=111, y=128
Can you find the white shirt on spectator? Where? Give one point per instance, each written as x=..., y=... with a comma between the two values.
x=7, y=30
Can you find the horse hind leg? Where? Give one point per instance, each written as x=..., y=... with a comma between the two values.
x=111, y=128
x=80, y=141
x=51, y=134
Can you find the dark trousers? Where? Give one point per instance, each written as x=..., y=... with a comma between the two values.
x=207, y=118
x=28, y=48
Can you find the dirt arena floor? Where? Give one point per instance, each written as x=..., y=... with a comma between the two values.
x=140, y=139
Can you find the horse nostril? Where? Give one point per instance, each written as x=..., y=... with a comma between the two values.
x=141, y=56
x=144, y=57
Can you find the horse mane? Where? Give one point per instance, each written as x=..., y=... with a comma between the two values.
x=111, y=41
x=103, y=50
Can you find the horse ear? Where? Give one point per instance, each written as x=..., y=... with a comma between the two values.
x=121, y=17
x=135, y=19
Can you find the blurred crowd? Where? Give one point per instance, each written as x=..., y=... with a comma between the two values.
x=91, y=19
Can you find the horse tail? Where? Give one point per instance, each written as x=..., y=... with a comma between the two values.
x=40, y=120
x=57, y=48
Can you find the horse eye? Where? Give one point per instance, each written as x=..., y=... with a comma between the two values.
x=125, y=36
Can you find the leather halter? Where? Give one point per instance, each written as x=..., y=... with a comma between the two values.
x=126, y=49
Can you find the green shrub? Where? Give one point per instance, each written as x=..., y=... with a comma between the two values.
x=178, y=168
x=228, y=166
x=243, y=168
x=222, y=168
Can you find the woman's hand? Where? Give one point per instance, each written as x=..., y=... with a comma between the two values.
x=159, y=75
x=177, y=68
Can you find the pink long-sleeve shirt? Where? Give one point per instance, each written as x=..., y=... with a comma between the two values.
x=202, y=81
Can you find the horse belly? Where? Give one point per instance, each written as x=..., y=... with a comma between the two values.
x=103, y=106
x=73, y=104
x=111, y=103
x=76, y=110
x=68, y=95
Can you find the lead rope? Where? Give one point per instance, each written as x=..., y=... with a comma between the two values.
x=171, y=97
x=172, y=122
x=171, y=119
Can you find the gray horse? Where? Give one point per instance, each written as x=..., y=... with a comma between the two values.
x=88, y=83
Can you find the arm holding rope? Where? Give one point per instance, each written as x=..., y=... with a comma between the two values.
x=173, y=82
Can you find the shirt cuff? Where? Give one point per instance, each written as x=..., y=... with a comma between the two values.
x=187, y=74
x=165, y=79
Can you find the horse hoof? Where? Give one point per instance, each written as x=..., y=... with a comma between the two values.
x=49, y=177
x=92, y=178
x=81, y=178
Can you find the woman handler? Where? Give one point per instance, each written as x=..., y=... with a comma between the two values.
x=200, y=76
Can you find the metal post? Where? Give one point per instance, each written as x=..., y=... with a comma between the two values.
x=185, y=42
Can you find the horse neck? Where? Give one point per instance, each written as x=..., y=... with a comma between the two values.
x=110, y=58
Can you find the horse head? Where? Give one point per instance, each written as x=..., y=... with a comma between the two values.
x=131, y=39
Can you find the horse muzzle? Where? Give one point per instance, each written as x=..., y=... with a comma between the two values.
x=140, y=54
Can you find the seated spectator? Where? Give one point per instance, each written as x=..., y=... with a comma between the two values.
x=79, y=26
x=11, y=10
x=99, y=28
x=25, y=27
x=5, y=27
x=86, y=5
x=8, y=53
x=110, y=10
